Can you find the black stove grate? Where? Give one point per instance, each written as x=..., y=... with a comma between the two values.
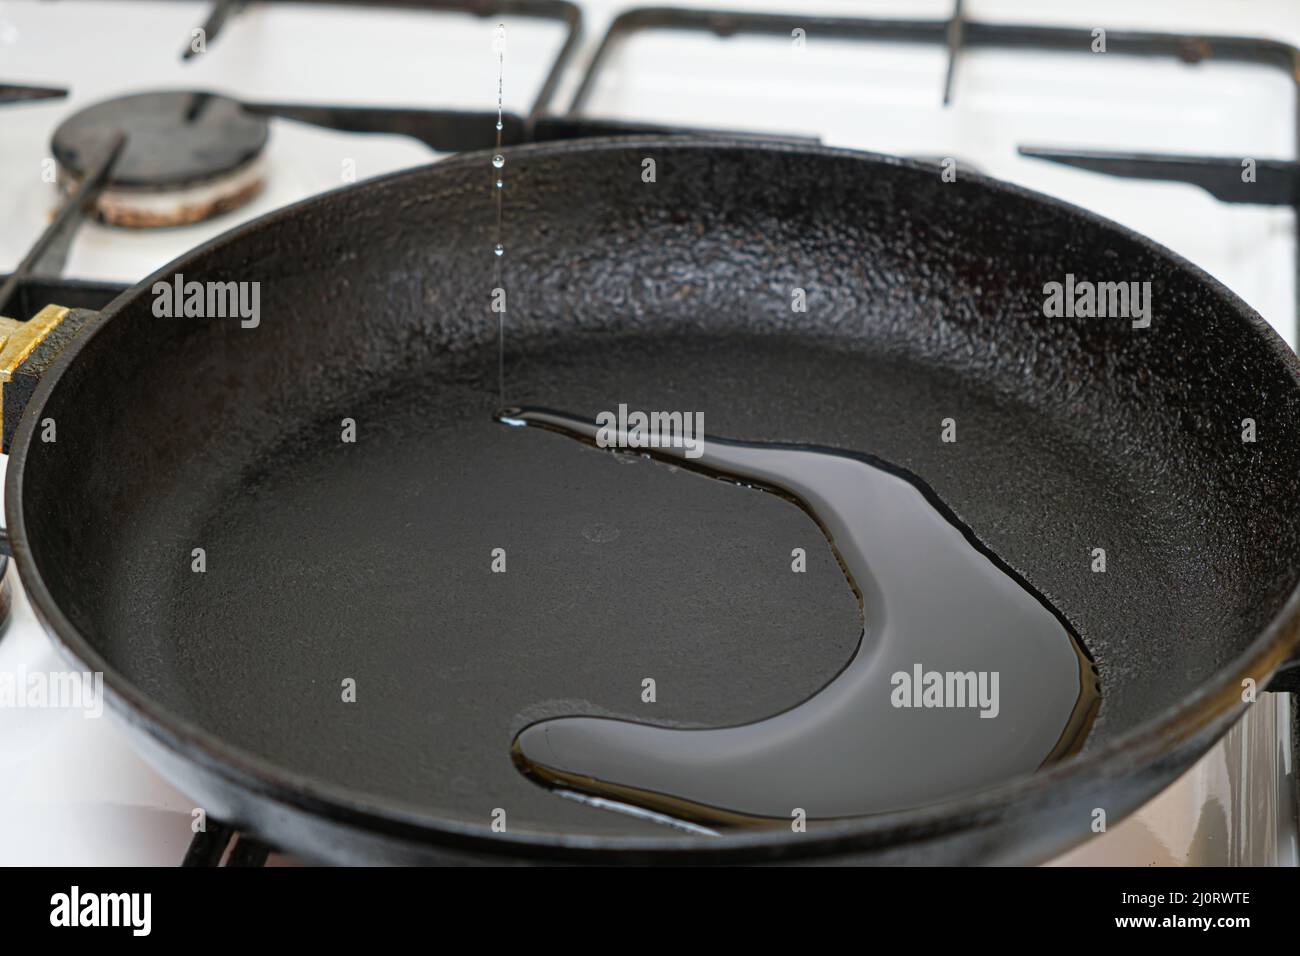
x=440, y=129
x=1277, y=181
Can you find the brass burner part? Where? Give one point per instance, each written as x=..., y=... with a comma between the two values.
x=19, y=339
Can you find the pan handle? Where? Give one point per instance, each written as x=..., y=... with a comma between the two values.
x=26, y=351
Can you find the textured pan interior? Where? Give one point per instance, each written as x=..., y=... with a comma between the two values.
x=371, y=560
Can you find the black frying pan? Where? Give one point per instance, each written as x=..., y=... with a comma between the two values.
x=370, y=560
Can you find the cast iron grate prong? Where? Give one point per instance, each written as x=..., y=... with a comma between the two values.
x=222, y=845
x=211, y=28
x=13, y=93
x=1276, y=182
x=446, y=130
x=208, y=847
x=956, y=36
x=50, y=251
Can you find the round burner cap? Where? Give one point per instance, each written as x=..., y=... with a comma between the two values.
x=175, y=139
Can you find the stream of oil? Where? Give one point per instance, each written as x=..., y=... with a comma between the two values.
x=917, y=716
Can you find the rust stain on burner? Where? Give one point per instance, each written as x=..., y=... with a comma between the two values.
x=131, y=209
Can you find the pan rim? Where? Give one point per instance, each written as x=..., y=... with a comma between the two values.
x=1215, y=702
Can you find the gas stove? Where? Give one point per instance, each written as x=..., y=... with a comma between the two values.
x=1150, y=124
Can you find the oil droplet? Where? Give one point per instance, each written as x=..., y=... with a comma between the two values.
x=500, y=184
x=500, y=249
x=964, y=676
x=498, y=161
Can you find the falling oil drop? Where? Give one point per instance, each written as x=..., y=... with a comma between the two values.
x=964, y=677
x=498, y=161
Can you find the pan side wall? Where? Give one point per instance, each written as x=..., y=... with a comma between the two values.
x=939, y=284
